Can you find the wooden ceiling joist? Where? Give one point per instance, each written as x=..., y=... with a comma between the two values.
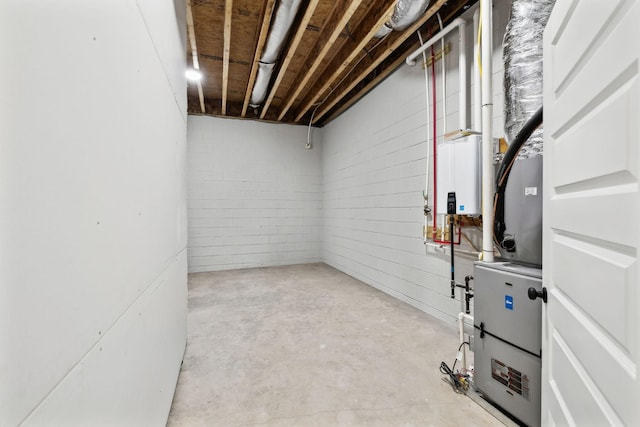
x=376, y=17
x=228, y=12
x=387, y=46
x=330, y=57
x=340, y=15
x=264, y=32
x=311, y=7
x=191, y=32
x=355, y=98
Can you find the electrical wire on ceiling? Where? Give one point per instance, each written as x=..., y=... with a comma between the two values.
x=405, y=13
x=332, y=89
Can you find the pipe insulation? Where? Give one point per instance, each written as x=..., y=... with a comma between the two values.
x=522, y=52
x=477, y=83
x=286, y=13
x=261, y=85
x=462, y=72
x=282, y=22
x=486, y=21
x=405, y=13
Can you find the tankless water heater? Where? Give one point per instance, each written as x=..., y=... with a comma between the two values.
x=459, y=171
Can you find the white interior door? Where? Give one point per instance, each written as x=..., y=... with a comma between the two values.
x=591, y=214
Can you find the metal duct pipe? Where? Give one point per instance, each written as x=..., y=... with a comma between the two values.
x=285, y=14
x=405, y=13
x=383, y=31
x=284, y=17
x=261, y=84
x=522, y=51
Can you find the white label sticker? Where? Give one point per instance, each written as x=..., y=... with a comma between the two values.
x=530, y=191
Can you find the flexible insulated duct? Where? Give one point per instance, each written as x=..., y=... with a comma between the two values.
x=522, y=52
x=262, y=84
x=284, y=17
x=405, y=13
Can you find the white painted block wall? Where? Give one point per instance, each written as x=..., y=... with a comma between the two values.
x=374, y=175
x=92, y=211
x=255, y=195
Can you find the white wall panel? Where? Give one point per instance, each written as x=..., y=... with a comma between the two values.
x=92, y=211
x=255, y=195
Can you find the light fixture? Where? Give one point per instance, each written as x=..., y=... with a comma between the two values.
x=193, y=75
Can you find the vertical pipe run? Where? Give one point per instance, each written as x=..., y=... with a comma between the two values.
x=453, y=270
x=486, y=7
x=435, y=146
x=426, y=183
x=444, y=80
x=461, y=317
x=462, y=70
x=467, y=294
x=411, y=60
x=477, y=85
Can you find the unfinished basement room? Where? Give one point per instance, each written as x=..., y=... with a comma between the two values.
x=319, y=213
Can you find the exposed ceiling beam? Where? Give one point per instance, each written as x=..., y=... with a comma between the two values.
x=365, y=31
x=387, y=69
x=228, y=11
x=194, y=51
x=387, y=46
x=362, y=92
x=311, y=7
x=340, y=15
x=264, y=32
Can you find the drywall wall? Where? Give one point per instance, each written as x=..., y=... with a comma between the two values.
x=374, y=167
x=92, y=211
x=255, y=194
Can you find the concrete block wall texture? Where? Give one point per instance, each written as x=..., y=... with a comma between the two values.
x=374, y=174
x=92, y=211
x=255, y=194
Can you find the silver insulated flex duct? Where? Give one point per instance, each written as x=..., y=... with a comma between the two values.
x=522, y=52
x=285, y=14
x=405, y=13
x=518, y=202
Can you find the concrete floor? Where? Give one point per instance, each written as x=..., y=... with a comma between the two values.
x=307, y=345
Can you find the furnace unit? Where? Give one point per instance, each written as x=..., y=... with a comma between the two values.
x=509, y=295
x=508, y=337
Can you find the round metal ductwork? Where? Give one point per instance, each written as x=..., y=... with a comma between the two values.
x=405, y=13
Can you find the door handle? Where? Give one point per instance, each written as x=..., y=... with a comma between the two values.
x=533, y=294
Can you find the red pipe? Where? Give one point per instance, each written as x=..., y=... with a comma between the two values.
x=448, y=242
